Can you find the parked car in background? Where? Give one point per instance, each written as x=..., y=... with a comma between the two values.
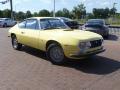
x=56, y=39
x=69, y=22
x=98, y=26
x=5, y=22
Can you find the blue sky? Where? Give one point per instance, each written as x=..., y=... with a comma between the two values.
x=36, y=5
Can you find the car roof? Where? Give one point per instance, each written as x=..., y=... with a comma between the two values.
x=96, y=20
x=4, y=18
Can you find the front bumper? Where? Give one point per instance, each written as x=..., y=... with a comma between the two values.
x=75, y=53
x=87, y=54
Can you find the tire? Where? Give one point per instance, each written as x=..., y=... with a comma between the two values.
x=15, y=44
x=106, y=37
x=55, y=54
x=5, y=25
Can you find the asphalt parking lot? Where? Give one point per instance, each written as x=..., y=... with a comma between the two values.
x=29, y=69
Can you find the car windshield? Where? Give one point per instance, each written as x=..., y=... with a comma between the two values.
x=92, y=22
x=52, y=23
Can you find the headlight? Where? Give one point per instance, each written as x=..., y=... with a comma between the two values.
x=84, y=45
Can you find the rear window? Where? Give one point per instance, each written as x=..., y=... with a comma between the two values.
x=94, y=26
x=101, y=22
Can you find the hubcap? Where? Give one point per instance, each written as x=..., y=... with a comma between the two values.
x=56, y=54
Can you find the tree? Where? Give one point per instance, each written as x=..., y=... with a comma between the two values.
x=51, y=14
x=35, y=14
x=1, y=14
x=59, y=13
x=113, y=11
x=79, y=11
x=28, y=14
x=90, y=16
x=66, y=12
x=101, y=13
x=44, y=13
x=20, y=15
x=7, y=13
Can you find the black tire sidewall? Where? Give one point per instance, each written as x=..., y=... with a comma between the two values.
x=4, y=25
x=19, y=46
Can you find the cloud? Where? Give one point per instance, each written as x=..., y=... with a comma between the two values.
x=105, y=3
x=46, y=1
x=17, y=2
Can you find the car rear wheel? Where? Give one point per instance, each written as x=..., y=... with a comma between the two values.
x=15, y=44
x=106, y=36
x=5, y=25
x=55, y=54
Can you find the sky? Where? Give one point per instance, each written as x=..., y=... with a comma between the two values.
x=36, y=5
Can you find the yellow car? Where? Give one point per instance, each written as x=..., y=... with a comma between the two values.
x=56, y=39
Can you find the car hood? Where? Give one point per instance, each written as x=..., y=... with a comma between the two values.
x=76, y=34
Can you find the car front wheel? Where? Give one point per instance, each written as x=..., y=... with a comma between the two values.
x=15, y=44
x=55, y=54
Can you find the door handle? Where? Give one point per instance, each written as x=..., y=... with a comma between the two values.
x=23, y=32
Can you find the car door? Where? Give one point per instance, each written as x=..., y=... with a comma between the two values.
x=31, y=33
x=21, y=32
x=11, y=22
x=8, y=22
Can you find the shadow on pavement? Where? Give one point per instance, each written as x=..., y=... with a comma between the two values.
x=112, y=37
x=96, y=65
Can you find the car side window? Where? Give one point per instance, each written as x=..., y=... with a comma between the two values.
x=22, y=24
x=32, y=24
x=44, y=23
x=8, y=19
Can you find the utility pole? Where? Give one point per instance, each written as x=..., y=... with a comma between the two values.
x=114, y=5
x=54, y=9
x=114, y=12
x=11, y=6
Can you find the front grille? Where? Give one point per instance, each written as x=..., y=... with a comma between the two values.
x=96, y=43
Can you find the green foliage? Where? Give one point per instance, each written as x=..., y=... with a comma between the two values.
x=6, y=13
x=28, y=14
x=64, y=13
x=59, y=13
x=20, y=15
x=44, y=13
x=1, y=13
x=79, y=11
x=101, y=13
x=35, y=14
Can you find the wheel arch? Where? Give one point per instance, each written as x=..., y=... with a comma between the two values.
x=12, y=34
x=52, y=42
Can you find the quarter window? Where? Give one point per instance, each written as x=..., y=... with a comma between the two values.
x=32, y=24
x=22, y=24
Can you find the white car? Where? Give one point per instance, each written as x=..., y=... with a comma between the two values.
x=4, y=22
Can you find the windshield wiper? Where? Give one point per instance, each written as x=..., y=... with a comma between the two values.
x=69, y=30
x=48, y=28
